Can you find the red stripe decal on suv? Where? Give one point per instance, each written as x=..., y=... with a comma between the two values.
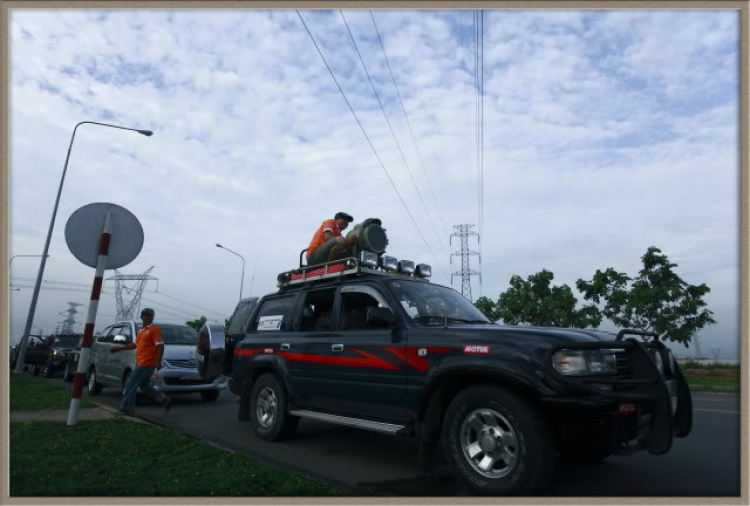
x=303, y=357
x=245, y=352
x=369, y=360
x=411, y=356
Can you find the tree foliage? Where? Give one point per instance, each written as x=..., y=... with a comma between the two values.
x=535, y=301
x=197, y=323
x=488, y=308
x=658, y=300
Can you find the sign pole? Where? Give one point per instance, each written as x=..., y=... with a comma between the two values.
x=88, y=333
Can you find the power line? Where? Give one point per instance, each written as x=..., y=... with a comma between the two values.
x=370, y=143
x=408, y=123
x=377, y=96
x=223, y=315
x=481, y=200
x=161, y=304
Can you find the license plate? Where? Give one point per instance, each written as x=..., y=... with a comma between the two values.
x=190, y=377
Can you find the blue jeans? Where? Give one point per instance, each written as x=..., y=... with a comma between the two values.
x=140, y=377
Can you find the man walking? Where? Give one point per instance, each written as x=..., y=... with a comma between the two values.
x=327, y=243
x=149, y=349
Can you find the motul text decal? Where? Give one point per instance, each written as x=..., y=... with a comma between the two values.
x=474, y=349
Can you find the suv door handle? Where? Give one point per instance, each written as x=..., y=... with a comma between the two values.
x=337, y=347
x=284, y=346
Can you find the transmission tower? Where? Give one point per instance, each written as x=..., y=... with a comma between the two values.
x=698, y=352
x=67, y=324
x=126, y=310
x=463, y=232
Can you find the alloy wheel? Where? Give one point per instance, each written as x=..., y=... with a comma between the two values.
x=266, y=407
x=489, y=443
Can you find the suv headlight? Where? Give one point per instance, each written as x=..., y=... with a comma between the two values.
x=585, y=362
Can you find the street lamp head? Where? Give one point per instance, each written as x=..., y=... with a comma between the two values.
x=219, y=245
x=147, y=133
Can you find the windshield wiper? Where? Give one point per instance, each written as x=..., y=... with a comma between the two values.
x=445, y=319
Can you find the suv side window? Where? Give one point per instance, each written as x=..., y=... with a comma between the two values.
x=275, y=315
x=355, y=301
x=317, y=310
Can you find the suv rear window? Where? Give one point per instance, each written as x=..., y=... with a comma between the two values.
x=240, y=318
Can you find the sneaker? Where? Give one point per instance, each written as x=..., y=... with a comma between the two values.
x=167, y=404
x=127, y=411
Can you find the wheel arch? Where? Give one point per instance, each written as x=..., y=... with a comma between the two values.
x=254, y=370
x=442, y=389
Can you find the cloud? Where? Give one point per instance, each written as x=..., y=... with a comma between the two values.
x=605, y=132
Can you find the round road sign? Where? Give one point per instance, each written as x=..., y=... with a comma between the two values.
x=83, y=233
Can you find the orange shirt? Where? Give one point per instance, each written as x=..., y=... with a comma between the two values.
x=146, y=343
x=319, y=238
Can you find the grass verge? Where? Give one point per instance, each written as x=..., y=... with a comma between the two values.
x=30, y=393
x=714, y=384
x=122, y=458
x=690, y=364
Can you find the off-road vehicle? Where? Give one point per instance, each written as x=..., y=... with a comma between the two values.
x=369, y=342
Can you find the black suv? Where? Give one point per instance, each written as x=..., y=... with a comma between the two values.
x=386, y=351
x=48, y=354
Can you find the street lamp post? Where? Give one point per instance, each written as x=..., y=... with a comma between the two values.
x=37, y=285
x=242, y=280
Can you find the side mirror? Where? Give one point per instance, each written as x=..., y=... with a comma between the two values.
x=120, y=339
x=380, y=317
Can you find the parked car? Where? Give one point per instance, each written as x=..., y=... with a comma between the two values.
x=59, y=348
x=371, y=343
x=36, y=353
x=178, y=374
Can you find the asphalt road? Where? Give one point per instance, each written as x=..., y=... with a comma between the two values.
x=706, y=463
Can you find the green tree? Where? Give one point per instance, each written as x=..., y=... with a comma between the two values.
x=227, y=322
x=197, y=323
x=658, y=300
x=487, y=307
x=536, y=301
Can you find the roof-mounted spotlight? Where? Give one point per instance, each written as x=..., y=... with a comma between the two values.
x=424, y=271
x=369, y=259
x=388, y=263
x=406, y=267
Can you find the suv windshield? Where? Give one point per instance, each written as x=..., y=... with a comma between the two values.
x=431, y=304
x=179, y=335
x=66, y=341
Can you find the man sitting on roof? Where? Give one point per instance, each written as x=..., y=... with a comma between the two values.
x=327, y=244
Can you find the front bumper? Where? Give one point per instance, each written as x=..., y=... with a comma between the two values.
x=184, y=380
x=643, y=409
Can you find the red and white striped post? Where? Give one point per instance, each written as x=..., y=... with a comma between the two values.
x=88, y=333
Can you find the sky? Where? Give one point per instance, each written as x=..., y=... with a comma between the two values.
x=605, y=132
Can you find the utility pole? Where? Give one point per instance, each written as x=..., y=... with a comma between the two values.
x=125, y=311
x=463, y=232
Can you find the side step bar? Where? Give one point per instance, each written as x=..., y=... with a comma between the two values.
x=386, y=428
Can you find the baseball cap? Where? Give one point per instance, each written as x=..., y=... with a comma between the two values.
x=344, y=216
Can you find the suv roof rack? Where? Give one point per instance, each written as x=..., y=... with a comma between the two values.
x=336, y=269
x=308, y=273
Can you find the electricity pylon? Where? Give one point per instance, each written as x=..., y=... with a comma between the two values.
x=67, y=324
x=463, y=232
x=126, y=310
